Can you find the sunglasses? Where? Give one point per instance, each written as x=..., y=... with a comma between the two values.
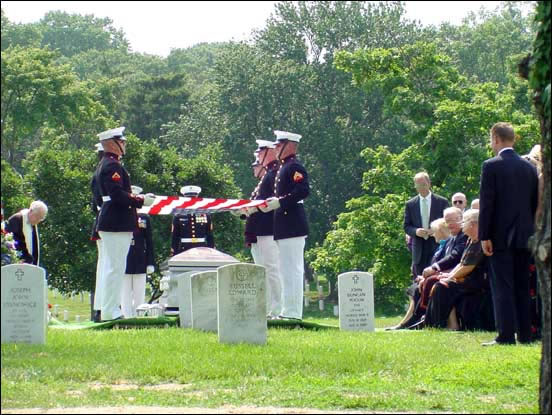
x=457, y=202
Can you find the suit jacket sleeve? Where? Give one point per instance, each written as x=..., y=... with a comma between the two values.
x=455, y=254
x=486, y=201
x=408, y=226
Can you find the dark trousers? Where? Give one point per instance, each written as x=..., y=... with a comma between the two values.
x=510, y=290
x=428, y=249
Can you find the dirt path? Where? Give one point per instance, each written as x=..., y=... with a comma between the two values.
x=177, y=410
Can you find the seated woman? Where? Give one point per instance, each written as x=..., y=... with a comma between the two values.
x=441, y=234
x=467, y=278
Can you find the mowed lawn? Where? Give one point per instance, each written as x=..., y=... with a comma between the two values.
x=421, y=371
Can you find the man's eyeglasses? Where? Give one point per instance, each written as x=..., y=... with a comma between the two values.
x=457, y=202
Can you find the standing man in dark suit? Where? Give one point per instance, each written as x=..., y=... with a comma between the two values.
x=291, y=187
x=508, y=197
x=117, y=219
x=419, y=212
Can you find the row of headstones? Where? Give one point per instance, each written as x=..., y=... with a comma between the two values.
x=230, y=301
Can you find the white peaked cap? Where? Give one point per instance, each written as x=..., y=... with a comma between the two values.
x=136, y=190
x=99, y=147
x=190, y=189
x=284, y=135
x=114, y=132
x=265, y=144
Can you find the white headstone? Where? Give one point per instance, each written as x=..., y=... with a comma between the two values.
x=24, y=304
x=204, y=300
x=184, y=296
x=356, y=301
x=241, y=304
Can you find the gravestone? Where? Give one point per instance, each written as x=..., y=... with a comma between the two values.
x=356, y=301
x=204, y=300
x=184, y=298
x=241, y=304
x=24, y=315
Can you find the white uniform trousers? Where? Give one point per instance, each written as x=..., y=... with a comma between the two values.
x=99, y=280
x=292, y=270
x=134, y=293
x=115, y=251
x=268, y=250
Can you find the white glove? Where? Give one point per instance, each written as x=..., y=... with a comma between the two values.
x=150, y=269
x=271, y=204
x=250, y=210
x=149, y=198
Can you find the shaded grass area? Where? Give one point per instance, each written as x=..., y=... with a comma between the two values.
x=420, y=371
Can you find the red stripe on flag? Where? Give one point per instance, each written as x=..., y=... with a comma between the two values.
x=238, y=203
x=190, y=202
x=214, y=203
x=157, y=207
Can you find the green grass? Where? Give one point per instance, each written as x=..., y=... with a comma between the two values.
x=422, y=371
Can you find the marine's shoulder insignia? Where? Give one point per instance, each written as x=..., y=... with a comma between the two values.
x=297, y=177
x=116, y=177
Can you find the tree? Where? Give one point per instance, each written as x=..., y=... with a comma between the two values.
x=39, y=93
x=538, y=73
x=74, y=33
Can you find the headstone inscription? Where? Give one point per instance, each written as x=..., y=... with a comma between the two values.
x=241, y=304
x=356, y=301
x=24, y=307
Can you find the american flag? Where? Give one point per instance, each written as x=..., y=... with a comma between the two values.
x=164, y=205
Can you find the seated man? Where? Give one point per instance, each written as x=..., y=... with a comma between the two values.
x=468, y=277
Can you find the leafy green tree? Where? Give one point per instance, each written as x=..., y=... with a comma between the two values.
x=24, y=35
x=14, y=194
x=154, y=101
x=39, y=93
x=485, y=40
x=74, y=33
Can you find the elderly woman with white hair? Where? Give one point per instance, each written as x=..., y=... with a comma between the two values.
x=468, y=277
x=23, y=226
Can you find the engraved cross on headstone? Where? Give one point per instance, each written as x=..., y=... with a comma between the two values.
x=355, y=279
x=19, y=274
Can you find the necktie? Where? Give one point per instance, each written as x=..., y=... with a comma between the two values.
x=425, y=214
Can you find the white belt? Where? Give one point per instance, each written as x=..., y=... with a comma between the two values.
x=188, y=240
x=106, y=198
x=301, y=201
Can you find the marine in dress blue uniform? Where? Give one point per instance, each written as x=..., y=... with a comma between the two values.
x=291, y=187
x=117, y=219
x=96, y=204
x=140, y=261
x=265, y=251
x=191, y=230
